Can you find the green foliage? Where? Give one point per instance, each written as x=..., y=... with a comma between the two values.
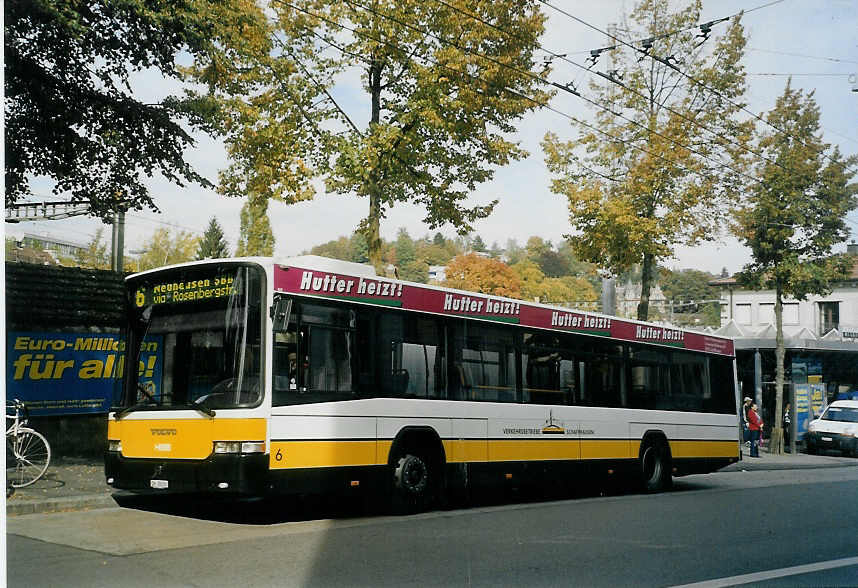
x=568, y=290
x=95, y=255
x=793, y=217
x=255, y=236
x=405, y=252
x=685, y=286
x=686, y=292
x=659, y=194
x=576, y=287
x=213, y=244
x=165, y=248
x=796, y=214
x=415, y=271
x=438, y=111
x=70, y=114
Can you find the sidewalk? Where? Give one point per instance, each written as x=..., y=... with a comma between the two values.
x=69, y=484
x=78, y=484
x=789, y=461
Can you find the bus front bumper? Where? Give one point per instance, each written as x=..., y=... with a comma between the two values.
x=236, y=474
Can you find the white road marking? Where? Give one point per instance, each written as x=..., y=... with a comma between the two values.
x=772, y=574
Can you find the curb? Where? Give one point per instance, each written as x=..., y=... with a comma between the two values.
x=71, y=503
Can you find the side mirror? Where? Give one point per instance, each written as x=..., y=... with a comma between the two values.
x=280, y=314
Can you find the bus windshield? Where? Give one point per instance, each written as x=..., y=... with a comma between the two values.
x=196, y=337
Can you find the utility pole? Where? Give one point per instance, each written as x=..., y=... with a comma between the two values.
x=609, y=296
x=117, y=261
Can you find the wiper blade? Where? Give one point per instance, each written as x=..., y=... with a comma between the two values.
x=129, y=409
x=200, y=405
x=148, y=400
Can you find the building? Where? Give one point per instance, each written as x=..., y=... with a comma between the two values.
x=820, y=338
x=437, y=274
x=44, y=242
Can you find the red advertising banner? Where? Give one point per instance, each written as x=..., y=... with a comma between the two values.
x=382, y=291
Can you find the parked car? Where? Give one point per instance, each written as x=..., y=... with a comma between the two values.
x=836, y=428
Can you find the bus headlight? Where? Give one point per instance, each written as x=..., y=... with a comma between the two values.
x=253, y=447
x=239, y=447
x=114, y=446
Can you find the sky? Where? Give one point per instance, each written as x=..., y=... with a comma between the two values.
x=814, y=41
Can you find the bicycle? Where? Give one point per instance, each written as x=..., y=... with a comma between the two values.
x=28, y=453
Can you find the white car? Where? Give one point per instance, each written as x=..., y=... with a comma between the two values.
x=836, y=428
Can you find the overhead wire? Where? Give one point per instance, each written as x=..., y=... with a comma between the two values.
x=705, y=28
x=554, y=84
x=691, y=78
x=464, y=73
x=613, y=80
x=803, y=55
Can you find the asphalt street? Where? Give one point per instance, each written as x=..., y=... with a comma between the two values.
x=730, y=525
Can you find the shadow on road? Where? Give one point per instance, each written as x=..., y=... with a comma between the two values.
x=271, y=510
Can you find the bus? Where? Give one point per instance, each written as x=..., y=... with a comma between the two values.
x=318, y=376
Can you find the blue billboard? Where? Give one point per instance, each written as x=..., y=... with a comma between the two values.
x=73, y=373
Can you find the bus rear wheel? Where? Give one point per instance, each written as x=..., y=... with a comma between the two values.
x=655, y=466
x=413, y=484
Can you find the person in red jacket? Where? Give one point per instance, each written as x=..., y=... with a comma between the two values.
x=755, y=424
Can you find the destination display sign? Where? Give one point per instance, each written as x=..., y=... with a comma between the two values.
x=382, y=291
x=175, y=292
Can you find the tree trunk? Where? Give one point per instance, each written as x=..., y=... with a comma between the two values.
x=647, y=275
x=372, y=230
x=776, y=444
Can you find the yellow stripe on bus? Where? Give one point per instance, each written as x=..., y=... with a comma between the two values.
x=680, y=449
x=320, y=454
x=534, y=450
x=609, y=449
x=181, y=438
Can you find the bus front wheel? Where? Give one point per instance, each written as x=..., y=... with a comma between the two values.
x=655, y=466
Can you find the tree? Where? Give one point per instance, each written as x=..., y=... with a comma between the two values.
x=255, y=236
x=70, y=112
x=793, y=217
x=535, y=285
x=568, y=290
x=686, y=286
x=164, y=248
x=530, y=279
x=440, y=104
x=95, y=255
x=477, y=244
x=514, y=252
x=657, y=166
x=406, y=251
x=213, y=245
x=480, y=274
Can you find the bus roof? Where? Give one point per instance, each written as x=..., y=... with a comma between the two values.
x=321, y=282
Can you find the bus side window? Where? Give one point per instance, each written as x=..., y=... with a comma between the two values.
x=285, y=376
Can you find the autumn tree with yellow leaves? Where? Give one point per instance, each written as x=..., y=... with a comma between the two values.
x=665, y=155
x=475, y=273
x=442, y=85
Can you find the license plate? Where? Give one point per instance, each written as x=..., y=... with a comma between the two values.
x=827, y=439
x=159, y=484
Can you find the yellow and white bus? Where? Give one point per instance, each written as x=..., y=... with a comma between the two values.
x=317, y=376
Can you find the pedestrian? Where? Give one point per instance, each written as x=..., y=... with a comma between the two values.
x=755, y=425
x=746, y=435
x=787, y=423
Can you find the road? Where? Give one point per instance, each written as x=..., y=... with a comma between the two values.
x=759, y=527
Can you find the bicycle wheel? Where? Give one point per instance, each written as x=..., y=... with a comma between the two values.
x=31, y=455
